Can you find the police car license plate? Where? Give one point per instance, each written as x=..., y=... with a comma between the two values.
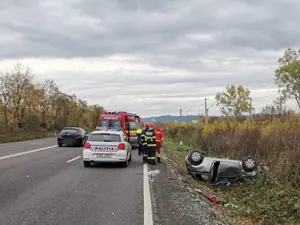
x=98, y=155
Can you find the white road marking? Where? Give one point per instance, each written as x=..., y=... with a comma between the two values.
x=148, y=219
x=27, y=152
x=71, y=160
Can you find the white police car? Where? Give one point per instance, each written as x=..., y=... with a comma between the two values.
x=105, y=145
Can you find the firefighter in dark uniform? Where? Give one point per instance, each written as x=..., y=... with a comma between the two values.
x=150, y=137
x=144, y=143
x=139, y=139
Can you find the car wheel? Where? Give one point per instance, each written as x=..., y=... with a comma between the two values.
x=130, y=157
x=81, y=144
x=126, y=163
x=59, y=145
x=78, y=144
x=249, y=164
x=196, y=158
x=87, y=163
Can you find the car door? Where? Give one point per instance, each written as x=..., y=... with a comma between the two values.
x=82, y=131
x=85, y=135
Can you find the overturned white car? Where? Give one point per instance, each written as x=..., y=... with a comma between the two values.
x=215, y=169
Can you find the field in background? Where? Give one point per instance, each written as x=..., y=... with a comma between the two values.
x=274, y=197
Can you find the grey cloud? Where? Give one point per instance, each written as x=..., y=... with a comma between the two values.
x=212, y=43
x=219, y=76
x=99, y=28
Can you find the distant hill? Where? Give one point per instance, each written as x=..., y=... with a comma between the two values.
x=169, y=118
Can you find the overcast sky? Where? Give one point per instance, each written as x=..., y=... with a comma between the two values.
x=153, y=57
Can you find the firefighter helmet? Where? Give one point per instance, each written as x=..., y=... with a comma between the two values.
x=151, y=125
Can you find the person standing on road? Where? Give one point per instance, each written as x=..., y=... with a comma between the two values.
x=144, y=149
x=139, y=139
x=150, y=137
x=159, y=142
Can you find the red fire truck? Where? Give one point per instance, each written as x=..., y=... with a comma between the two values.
x=128, y=122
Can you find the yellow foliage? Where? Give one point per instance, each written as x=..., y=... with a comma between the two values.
x=275, y=142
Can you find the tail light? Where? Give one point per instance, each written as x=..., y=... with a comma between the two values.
x=87, y=145
x=122, y=146
x=77, y=135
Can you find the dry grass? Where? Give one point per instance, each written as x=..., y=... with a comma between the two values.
x=23, y=136
x=274, y=197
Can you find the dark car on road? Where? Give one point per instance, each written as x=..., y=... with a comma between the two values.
x=71, y=136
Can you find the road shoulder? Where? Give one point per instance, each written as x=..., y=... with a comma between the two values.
x=173, y=202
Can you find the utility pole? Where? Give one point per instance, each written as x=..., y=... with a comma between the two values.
x=180, y=114
x=250, y=107
x=206, y=111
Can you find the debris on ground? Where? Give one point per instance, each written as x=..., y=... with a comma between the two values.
x=153, y=173
x=231, y=205
x=172, y=178
x=198, y=191
x=214, y=199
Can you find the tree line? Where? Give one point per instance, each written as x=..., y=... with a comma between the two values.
x=235, y=100
x=26, y=104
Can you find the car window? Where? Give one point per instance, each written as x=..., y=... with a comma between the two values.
x=105, y=137
x=110, y=123
x=69, y=130
x=132, y=125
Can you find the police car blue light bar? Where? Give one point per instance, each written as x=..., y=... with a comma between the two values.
x=110, y=128
x=101, y=128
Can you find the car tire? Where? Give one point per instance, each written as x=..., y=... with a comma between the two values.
x=126, y=163
x=59, y=144
x=87, y=163
x=81, y=144
x=196, y=158
x=249, y=164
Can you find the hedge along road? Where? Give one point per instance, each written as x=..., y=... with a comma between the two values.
x=44, y=184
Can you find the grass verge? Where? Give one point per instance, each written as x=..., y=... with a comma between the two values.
x=259, y=201
x=24, y=136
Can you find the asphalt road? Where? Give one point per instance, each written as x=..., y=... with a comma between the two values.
x=41, y=183
x=43, y=188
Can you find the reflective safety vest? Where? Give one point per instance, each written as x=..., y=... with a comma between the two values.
x=150, y=138
x=143, y=137
x=159, y=136
x=139, y=135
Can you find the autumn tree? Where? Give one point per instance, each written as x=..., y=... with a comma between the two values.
x=27, y=104
x=16, y=87
x=234, y=101
x=287, y=75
